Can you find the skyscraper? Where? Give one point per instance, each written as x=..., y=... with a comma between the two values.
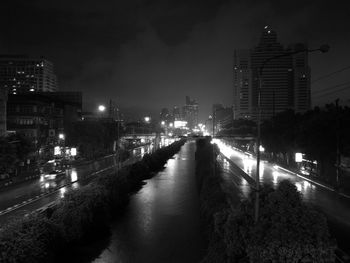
x=20, y=73
x=242, y=84
x=3, y=102
x=176, y=113
x=285, y=81
x=190, y=112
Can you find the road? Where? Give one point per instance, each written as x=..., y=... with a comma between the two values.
x=31, y=195
x=336, y=207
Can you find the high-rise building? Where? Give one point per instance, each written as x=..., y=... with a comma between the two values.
x=285, y=81
x=222, y=117
x=20, y=73
x=190, y=112
x=164, y=115
x=242, y=84
x=3, y=102
x=176, y=113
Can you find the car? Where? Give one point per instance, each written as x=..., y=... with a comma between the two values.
x=54, y=174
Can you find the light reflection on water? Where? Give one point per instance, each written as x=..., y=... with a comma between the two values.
x=245, y=187
x=161, y=223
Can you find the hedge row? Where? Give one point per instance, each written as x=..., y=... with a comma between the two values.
x=212, y=198
x=287, y=230
x=82, y=215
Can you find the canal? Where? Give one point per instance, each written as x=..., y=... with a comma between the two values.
x=161, y=223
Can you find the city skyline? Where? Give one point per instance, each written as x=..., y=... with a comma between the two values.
x=137, y=54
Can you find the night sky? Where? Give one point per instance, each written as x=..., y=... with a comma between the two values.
x=149, y=54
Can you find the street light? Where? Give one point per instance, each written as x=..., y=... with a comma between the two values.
x=147, y=119
x=101, y=108
x=323, y=49
x=61, y=136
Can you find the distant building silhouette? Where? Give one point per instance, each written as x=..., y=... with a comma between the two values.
x=190, y=112
x=20, y=73
x=165, y=116
x=176, y=113
x=285, y=80
x=222, y=117
x=3, y=102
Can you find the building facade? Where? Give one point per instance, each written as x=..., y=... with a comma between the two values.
x=20, y=73
x=222, y=118
x=285, y=81
x=176, y=113
x=3, y=102
x=190, y=112
x=41, y=117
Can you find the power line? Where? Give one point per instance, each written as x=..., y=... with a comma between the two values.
x=332, y=92
x=330, y=74
x=332, y=87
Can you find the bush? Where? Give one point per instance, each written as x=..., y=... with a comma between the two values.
x=82, y=213
x=116, y=187
x=212, y=199
x=33, y=238
x=80, y=216
x=287, y=231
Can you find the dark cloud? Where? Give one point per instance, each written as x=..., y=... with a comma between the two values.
x=148, y=54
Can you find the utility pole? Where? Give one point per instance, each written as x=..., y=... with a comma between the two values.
x=258, y=139
x=323, y=49
x=213, y=122
x=337, y=142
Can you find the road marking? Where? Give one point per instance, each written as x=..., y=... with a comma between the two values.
x=42, y=195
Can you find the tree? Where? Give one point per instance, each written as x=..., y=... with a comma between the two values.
x=8, y=158
x=93, y=138
x=287, y=230
x=14, y=149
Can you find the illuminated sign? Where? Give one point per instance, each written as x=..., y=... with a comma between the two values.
x=180, y=124
x=73, y=151
x=298, y=157
x=57, y=150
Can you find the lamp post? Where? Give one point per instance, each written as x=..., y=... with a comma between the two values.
x=322, y=49
x=101, y=108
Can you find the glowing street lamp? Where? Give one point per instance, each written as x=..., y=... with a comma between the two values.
x=61, y=136
x=162, y=123
x=147, y=119
x=101, y=108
